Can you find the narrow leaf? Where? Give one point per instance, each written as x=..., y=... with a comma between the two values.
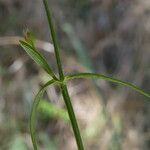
x=110, y=79
x=34, y=110
x=37, y=57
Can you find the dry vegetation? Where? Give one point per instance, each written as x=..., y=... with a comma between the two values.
x=115, y=35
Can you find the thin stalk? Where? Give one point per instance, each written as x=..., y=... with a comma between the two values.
x=61, y=75
x=54, y=39
x=72, y=116
x=33, y=113
x=100, y=76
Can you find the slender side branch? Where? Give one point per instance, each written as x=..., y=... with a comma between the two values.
x=72, y=116
x=34, y=110
x=100, y=76
x=53, y=34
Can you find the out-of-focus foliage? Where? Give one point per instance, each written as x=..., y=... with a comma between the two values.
x=51, y=110
x=18, y=143
x=115, y=36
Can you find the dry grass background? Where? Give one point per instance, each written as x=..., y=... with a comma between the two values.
x=115, y=35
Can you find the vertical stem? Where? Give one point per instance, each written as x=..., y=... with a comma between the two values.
x=54, y=39
x=72, y=116
x=63, y=86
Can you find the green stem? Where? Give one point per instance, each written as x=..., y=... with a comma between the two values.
x=34, y=110
x=63, y=86
x=72, y=116
x=100, y=76
x=53, y=35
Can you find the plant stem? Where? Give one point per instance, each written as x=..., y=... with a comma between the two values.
x=63, y=86
x=72, y=116
x=54, y=39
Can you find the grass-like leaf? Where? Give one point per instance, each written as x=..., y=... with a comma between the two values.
x=100, y=76
x=37, y=57
x=34, y=110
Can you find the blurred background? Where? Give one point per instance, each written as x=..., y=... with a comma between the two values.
x=110, y=37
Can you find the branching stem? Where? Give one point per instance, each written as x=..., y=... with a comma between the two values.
x=61, y=82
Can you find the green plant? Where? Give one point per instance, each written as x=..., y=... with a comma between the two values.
x=61, y=81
